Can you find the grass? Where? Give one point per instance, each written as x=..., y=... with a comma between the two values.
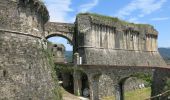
x=112, y=19
x=139, y=94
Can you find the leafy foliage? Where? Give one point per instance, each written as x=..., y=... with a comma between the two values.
x=167, y=84
x=56, y=90
x=145, y=77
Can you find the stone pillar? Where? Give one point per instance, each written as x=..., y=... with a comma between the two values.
x=93, y=84
x=98, y=35
x=66, y=80
x=93, y=36
x=159, y=84
x=101, y=35
x=77, y=83
x=113, y=31
x=119, y=95
x=124, y=39
x=77, y=76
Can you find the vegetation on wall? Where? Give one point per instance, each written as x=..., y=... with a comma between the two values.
x=57, y=89
x=109, y=19
x=67, y=68
x=167, y=84
x=145, y=77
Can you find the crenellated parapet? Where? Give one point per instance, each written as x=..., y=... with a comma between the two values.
x=106, y=40
x=23, y=16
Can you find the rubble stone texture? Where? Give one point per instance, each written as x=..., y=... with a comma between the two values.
x=103, y=40
x=111, y=50
x=25, y=72
x=58, y=51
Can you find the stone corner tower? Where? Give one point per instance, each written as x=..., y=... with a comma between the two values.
x=25, y=73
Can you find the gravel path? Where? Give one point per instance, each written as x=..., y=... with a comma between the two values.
x=69, y=96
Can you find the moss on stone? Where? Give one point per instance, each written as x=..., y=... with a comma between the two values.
x=67, y=68
x=108, y=19
x=117, y=23
x=57, y=89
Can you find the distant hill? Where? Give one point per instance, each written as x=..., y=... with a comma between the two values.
x=68, y=56
x=165, y=53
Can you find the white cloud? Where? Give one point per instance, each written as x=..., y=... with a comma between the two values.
x=88, y=6
x=144, y=7
x=58, y=9
x=160, y=18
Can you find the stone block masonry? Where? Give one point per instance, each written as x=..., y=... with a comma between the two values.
x=25, y=71
x=103, y=40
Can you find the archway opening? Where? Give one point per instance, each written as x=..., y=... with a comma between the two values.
x=135, y=87
x=85, y=90
x=67, y=46
x=61, y=48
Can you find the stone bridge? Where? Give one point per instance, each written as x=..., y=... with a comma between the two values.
x=107, y=81
x=64, y=30
x=110, y=50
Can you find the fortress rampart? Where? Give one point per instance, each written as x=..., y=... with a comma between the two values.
x=110, y=41
x=25, y=71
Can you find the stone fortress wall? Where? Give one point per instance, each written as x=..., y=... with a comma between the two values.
x=58, y=51
x=111, y=50
x=109, y=41
x=25, y=73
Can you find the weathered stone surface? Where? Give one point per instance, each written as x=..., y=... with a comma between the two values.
x=106, y=81
x=104, y=40
x=25, y=71
x=26, y=16
x=160, y=84
x=65, y=30
x=121, y=57
x=117, y=23
x=106, y=86
x=58, y=51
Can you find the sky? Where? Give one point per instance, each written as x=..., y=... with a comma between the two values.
x=154, y=12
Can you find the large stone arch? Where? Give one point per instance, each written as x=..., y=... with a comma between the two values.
x=67, y=36
x=64, y=30
x=127, y=74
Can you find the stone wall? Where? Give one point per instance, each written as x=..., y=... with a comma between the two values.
x=109, y=41
x=112, y=81
x=25, y=71
x=160, y=83
x=106, y=86
x=26, y=16
x=64, y=30
x=58, y=51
